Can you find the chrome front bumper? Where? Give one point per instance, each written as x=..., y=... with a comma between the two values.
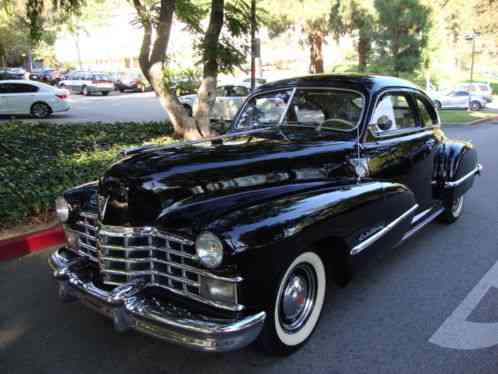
x=130, y=308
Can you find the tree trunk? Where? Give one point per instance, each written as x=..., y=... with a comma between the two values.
x=315, y=40
x=363, y=52
x=206, y=95
x=151, y=59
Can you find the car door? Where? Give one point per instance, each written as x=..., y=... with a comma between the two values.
x=400, y=147
x=461, y=99
x=4, y=90
x=21, y=97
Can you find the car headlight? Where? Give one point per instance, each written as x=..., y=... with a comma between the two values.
x=63, y=209
x=209, y=250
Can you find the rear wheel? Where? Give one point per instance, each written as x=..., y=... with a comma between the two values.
x=475, y=105
x=85, y=91
x=298, y=299
x=105, y=93
x=452, y=210
x=40, y=110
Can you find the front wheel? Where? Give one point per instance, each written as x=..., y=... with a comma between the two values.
x=85, y=91
x=438, y=105
x=297, y=305
x=105, y=93
x=452, y=210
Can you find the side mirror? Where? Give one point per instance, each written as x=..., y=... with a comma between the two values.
x=384, y=123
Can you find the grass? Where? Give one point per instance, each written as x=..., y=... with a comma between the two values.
x=463, y=116
x=40, y=161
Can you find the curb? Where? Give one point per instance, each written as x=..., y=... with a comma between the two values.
x=29, y=243
x=483, y=120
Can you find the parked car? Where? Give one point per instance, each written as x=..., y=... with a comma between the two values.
x=259, y=81
x=229, y=99
x=29, y=97
x=87, y=83
x=479, y=89
x=459, y=99
x=12, y=73
x=216, y=243
x=135, y=82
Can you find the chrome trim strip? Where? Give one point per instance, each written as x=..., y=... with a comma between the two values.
x=122, y=232
x=476, y=170
x=372, y=239
x=422, y=224
x=130, y=308
x=88, y=215
x=420, y=215
x=138, y=273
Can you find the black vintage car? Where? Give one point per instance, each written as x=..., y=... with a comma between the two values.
x=217, y=243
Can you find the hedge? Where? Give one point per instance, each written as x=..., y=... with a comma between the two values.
x=39, y=161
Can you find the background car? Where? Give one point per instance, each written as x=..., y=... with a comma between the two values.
x=459, y=99
x=229, y=98
x=29, y=97
x=481, y=89
x=87, y=83
x=131, y=82
x=12, y=73
x=49, y=76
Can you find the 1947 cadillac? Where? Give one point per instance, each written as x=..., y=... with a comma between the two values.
x=214, y=244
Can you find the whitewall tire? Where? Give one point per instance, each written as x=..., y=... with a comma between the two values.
x=297, y=305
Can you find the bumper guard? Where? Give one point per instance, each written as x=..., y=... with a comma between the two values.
x=129, y=308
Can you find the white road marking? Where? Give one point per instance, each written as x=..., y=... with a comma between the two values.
x=458, y=333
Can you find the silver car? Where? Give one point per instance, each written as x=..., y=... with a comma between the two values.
x=459, y=99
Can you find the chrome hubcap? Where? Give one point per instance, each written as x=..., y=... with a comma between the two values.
x=298, y=298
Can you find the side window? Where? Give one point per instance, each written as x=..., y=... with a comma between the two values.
x=240, y=91
x=220, y=91
x=427, y=114
x=461, y=93
x=5, y=88
x=23, y=88
x=394, y=112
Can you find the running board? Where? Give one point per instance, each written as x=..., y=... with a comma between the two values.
x=422, y=224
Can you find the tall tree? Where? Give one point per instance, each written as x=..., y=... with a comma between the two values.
x=402, y=36
x=350, y=17
x=309, y=17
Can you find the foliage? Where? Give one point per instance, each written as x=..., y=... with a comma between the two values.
x=39, y=161
x=402, y=35
x=182, y=81
x=348, y=17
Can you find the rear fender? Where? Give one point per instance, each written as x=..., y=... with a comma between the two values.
x=454, y=170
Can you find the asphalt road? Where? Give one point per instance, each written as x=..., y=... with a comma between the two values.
x=384, y=322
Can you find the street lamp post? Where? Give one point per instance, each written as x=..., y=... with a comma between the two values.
x=472, y=37
x=253, y=44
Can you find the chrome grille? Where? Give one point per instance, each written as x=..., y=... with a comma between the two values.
x=163, y=260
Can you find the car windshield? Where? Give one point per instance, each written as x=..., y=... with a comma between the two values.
x=332, y=109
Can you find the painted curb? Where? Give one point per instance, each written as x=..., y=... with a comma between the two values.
x=34, y=242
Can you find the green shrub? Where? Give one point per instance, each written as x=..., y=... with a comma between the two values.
x=39, y=161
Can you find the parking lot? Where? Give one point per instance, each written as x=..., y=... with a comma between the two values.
x=117, y=107
x=407, y=310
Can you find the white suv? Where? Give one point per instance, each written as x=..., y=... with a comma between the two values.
x=87, y=83
x=481, y=89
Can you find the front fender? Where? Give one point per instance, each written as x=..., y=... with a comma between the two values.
x=350, y=212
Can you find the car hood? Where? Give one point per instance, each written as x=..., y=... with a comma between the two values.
x=189, y=184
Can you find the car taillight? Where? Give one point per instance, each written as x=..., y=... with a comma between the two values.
x=62, y=96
